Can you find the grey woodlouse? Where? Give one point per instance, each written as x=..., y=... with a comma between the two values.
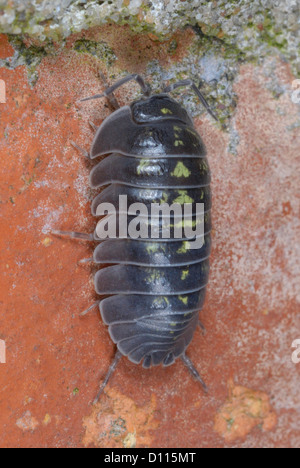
x=154, y=289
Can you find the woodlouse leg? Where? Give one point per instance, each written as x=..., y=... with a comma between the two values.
x=82, y=150
x=74, y=235
x=188, y=363
x=202, y=327
x=110, y=371
x=86, y=311
x=138, y=78
x=196, y=90
x=94, y=127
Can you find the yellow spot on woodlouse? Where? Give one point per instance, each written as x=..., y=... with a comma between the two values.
x=183, y=198
x=156, y=275
x=204, y=165
x=179, y=143
x=143, y=166
x=176, y=134
x=152, y=248
x=165, y=111
x=185, y=247
x=192, y=132
x=188, y=223
x=181, y=170
x=161, y=301
x=164, y=198
x=184, y=274
x=183, y=299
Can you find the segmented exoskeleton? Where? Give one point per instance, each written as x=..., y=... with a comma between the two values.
x=154, y=288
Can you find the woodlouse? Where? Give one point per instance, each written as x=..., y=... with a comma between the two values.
x=154, y=289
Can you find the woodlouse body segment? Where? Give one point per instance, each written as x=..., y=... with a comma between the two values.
x=153, y=288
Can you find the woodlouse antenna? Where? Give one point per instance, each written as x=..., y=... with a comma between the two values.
x=112, y=101
x=94, y=127
x=188, y=363
x=138, y=78
x=110, y=371
x=196, y=90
